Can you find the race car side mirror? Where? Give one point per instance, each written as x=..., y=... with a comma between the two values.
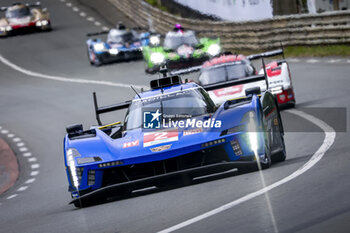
x=76, y=128
x=252, y=91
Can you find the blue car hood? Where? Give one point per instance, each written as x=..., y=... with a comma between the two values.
x=141, y=146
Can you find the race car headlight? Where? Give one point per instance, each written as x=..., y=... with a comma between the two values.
x=252, y=130
x=41, y=23
x=99, y=47
x=154, y=40
x=76, y=173
x=114, y=51
x=5, y=28
x=157, y=58
x=214, y=49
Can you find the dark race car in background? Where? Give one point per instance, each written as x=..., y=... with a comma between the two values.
x=119, y=158
x=21, y=18
x=180, y=50
x=233, y=67
x=122, y=44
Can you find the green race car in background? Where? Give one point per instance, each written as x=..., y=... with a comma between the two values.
x=181, y=50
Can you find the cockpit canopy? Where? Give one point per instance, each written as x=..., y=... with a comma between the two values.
x=190, y=102
x=121, y=36
x=17, y=11
x=226, y=72
x=175, y=39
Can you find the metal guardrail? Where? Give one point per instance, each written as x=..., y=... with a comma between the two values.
x=303, y=29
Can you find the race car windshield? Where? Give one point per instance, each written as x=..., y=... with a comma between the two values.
x=121, y=38
x=173, y=40
x=223, y=73
x=189, y=102
x=18, y=13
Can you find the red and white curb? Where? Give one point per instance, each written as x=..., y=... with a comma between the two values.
x=30, y=158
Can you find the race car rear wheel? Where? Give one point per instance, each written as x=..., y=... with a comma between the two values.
x=267, y=160
x=280, y=156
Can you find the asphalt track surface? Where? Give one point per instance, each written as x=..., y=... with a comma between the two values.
x=37, y=111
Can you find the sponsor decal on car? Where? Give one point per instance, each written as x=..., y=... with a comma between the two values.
x=228, y=91
x=161, y=148
x=155, y=138
x=192, y=131
x=156, y=120
x=130, y=144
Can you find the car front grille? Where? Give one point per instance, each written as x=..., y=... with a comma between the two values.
x=139, y=171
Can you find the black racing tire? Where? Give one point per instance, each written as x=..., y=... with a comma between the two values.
x=267, y=163
x=280, y=156
x=77, y=204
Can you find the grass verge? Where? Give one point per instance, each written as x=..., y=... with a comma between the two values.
x=317, y=51
x=157, y=4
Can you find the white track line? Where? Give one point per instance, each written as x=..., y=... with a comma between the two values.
x=312, y=61
x=27, y=154
x=90, y=18
x=16, y=139
x=29, y=181
x=22, y=188
x=294, y=60
x=82, y=14
x=105, y=28
x=317, y=156
x=12, y=196
x=10, y=135
x=32, y=160
x=23, y=149
x=34, y=173
x=64, y=79
x=333, y=61
x=35, y=166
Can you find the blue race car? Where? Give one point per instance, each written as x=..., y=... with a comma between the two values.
x=171, y=134
x=122, y=44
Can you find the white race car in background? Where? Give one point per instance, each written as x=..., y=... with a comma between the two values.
x=237, y=67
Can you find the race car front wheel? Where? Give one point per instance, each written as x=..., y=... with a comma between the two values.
x=93, y=59
x=266, y=162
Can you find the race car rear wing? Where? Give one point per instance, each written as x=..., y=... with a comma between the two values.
x=266, y=54
x=186, y=71
x=235, y=82
x=108, y=108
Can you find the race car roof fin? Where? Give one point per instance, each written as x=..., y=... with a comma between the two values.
x=265, y=74
x=109, y=108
